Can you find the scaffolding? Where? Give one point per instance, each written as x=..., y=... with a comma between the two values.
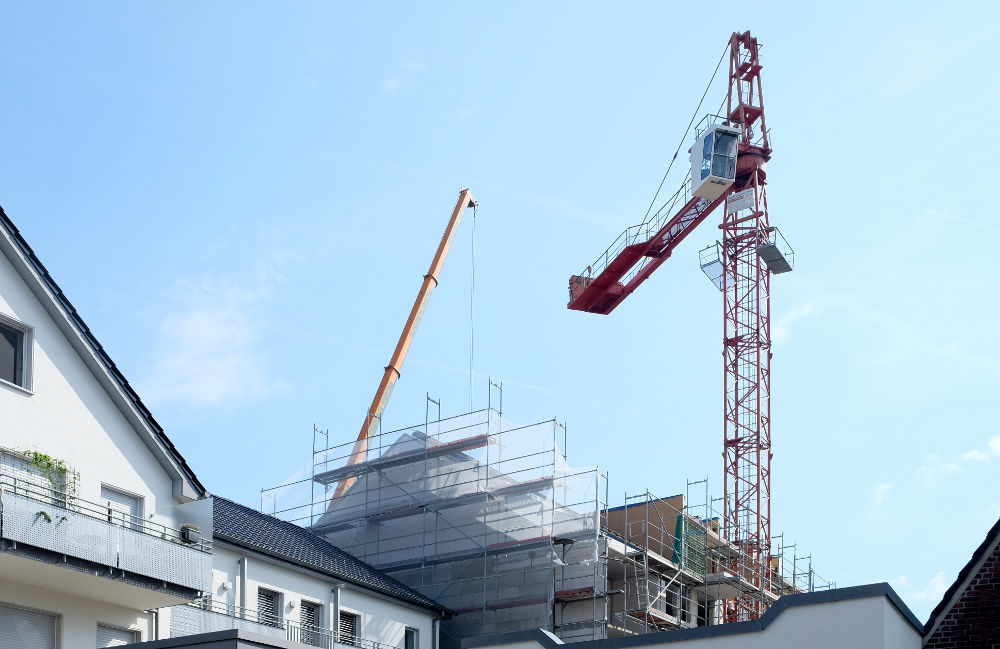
x=482, y=516
x=670, y=568
x=490, y=520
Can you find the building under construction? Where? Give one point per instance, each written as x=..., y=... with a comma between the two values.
x=490, y=520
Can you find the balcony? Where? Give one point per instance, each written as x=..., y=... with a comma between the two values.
x=207, y=616
x=112, y=556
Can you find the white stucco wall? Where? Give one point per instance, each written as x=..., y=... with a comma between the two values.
x=898, y=633
x=70, y=416
x=379, y=619
x=77, y=617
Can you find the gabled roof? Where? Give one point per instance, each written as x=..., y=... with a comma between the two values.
x=965, y=576
x=249, y=528
x=25, y=261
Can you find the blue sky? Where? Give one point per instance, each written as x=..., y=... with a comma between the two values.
x=241, y=200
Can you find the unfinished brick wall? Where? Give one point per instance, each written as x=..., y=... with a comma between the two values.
x=974, y=620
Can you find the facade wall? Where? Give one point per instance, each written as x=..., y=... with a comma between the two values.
x=874, y=623
x=380, y=620
x=974, y=620
x=70, y=416
x=77, y=617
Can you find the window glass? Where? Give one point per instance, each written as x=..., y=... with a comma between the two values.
x=724, y=166
x=725, y=143
x=706, y=157
x=11, y=354
x=410, y=639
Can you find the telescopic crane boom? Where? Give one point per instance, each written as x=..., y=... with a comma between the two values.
x=392, y=370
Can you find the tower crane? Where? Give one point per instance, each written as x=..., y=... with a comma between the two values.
x=728, y=162
x=392, y=371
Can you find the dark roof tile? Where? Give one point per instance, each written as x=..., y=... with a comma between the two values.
x=250, y=528
x=953, y=591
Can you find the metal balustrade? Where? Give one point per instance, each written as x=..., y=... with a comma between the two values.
x=41, y=516
x=207, y=615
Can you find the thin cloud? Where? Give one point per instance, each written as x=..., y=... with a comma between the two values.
x=931, y=591
x=935, y=470
x=882, y=490
x=991, y=451
x=975, y=455
x=780, y=331
x=959, y=219
x=934, y=588
x=208, y=349
x=404, y=77
x=392, y=84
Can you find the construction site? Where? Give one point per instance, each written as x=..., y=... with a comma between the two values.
x=490, y=519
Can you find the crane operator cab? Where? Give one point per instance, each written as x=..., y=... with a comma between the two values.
x=713, y=161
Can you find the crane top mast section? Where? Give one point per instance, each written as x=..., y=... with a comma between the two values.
x=745, y=107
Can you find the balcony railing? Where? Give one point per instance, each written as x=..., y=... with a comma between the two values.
x=207, y=615
x=41, y=516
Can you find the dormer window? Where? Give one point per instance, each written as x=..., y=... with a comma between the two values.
x=15, y=353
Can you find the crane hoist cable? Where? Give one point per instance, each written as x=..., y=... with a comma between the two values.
x=687, y=130
x=472, y=307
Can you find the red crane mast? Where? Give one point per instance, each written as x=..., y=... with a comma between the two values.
x=728, y=167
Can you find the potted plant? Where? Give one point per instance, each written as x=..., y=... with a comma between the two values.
x=190, y=533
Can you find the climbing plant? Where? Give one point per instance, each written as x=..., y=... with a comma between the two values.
x=60, y=475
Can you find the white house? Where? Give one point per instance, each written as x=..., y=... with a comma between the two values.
x=278, y=580
x=93, y=493
x=859, y=617
x=94, y=496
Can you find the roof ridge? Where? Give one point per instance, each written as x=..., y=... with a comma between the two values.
x=102, y=355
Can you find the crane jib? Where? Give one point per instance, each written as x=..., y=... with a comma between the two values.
x=634, y=263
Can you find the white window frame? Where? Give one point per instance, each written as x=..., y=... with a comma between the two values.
x=314, y=635
x=357, y=626
x=136, y=633
x=278, y=617
x=416, y=637
x=27, y=345
x=57, y=619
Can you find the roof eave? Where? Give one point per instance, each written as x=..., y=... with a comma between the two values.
x=241, y=544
